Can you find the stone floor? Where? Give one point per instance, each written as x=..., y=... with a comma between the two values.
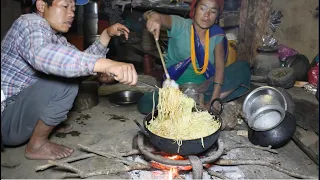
x=99, y=129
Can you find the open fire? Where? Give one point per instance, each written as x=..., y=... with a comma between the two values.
x=172, y=171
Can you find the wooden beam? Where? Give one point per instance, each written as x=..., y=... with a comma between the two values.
x=254, y=22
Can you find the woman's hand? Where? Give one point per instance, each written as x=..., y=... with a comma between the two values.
x=216, y=106
x=153, y=23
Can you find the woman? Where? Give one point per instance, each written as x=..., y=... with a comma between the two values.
x=197, y=51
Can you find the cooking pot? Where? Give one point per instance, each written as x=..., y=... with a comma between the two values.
x=262, y=101
x=87, y=96
x=277, y=136
x=188, y=147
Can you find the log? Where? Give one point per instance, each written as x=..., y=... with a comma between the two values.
x=254, y=23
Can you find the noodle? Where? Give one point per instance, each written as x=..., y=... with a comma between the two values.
x=177, y=121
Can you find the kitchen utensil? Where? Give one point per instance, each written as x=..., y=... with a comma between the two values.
x=275, y=137
x=139, y=82
x=188, y=147
x=146, y=84
x=87, y=96
x=125, y=97
x=266, y=117
x=168, y=82
x=264, y=100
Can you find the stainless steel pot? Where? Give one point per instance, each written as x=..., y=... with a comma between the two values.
x=264, y=108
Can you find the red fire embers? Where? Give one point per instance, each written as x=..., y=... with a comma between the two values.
x=173, y=171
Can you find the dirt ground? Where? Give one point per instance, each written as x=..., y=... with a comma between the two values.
x=102, y=129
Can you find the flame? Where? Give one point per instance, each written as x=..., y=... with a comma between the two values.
x=173, y=171
x=170, y=175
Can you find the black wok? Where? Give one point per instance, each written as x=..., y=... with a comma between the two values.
x=188, y=147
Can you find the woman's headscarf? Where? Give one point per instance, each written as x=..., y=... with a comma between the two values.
x=194, y=2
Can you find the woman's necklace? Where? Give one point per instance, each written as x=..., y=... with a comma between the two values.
x=193, y=53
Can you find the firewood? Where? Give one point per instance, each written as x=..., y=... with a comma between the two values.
x=72, y=159
x=253, y=147
x=78, y=173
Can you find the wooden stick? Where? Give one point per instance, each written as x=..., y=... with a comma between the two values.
x=107, y=155
x=253, y=147
x=234, y=162
x=81, y=157
x=130, y=153
x=66, y=166
x=81, y=174
x=72, y=159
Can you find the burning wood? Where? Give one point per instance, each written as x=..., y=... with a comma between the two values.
x=171, y=171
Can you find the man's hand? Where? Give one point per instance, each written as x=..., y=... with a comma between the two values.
x=114, y=30
x=105, y=78
x=124, y=72
x=118, y=29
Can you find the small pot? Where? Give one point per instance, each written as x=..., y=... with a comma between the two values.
x=276, y=137
x=266, y=117
x=262, y=100
x=87, y=96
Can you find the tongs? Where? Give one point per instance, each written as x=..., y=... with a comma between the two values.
x=139, y=82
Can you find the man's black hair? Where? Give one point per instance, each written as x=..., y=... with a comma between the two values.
x=34, y=6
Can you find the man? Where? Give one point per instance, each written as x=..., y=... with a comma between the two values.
x=38, y=69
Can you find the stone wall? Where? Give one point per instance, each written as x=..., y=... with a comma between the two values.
x=299, y=26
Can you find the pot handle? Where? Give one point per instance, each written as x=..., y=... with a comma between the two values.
x=142, y=129
x=213, y=111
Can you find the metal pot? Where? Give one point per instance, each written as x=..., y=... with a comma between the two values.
x=90, y=21
x=87, y=96
x=276, y=137
x=261, y=101
x=188, y=147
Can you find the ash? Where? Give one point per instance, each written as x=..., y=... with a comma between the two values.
x=231, y=172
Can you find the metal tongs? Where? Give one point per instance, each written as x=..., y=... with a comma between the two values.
x=139, y=82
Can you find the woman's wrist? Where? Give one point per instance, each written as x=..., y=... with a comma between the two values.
x=149, y=14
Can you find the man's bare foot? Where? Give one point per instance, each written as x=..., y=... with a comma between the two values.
x=63, y=128
x=47, y=150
